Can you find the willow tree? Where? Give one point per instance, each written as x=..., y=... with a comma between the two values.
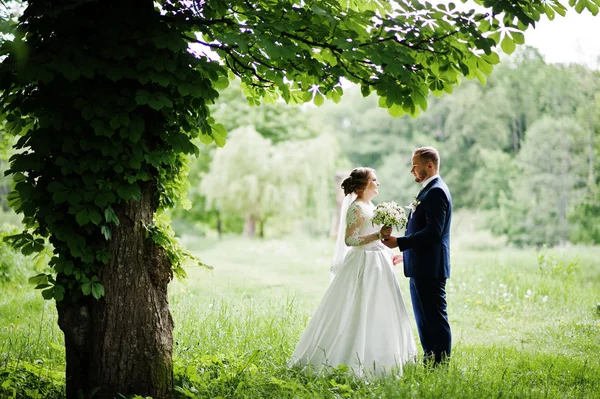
x=260, y=181
x=107, y=99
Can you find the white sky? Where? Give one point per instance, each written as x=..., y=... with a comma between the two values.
x=574, y=38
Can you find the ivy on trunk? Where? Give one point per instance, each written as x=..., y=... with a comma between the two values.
x=108, y=100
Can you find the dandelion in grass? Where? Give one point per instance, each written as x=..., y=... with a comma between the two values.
x=389, y=214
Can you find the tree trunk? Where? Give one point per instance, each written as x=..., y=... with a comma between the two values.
x=123, y=343
x=261, y=229
x=250, y=227
x=219, y=225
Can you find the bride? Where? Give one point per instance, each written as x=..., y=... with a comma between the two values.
x=361, y=321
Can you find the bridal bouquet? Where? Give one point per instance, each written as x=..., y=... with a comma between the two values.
x=389, y=214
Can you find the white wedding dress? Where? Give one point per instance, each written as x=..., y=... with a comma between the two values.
x=361, y=321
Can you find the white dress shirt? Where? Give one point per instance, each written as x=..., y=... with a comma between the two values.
x=426, y=182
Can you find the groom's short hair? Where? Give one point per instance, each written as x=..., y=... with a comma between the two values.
x=428, y=154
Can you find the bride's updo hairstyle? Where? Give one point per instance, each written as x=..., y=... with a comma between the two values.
x=358, y=180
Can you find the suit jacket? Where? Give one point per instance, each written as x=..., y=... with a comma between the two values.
x=426, y=243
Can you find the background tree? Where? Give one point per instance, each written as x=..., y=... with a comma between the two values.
x=261, y=181
x=541, y=198
x=108, y=100
x=586, y=215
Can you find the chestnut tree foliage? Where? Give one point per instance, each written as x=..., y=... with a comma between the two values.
x=107, y=97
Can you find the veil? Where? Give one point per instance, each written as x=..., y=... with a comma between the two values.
x=341, y=248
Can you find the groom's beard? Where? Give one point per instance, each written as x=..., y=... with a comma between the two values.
x=420, y=176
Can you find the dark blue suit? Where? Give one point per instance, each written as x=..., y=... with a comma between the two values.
x=426, y=252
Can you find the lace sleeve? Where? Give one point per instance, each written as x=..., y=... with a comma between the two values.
x=354, y=220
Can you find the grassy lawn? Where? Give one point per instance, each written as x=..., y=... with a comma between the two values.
x=526, y=324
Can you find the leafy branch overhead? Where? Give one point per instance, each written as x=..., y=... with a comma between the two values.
x=401, y=50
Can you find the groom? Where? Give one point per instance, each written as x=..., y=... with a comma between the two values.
x=426, y=251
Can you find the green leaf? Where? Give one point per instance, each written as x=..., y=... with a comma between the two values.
x=495, y=37
x=41, y=278
x=97, y=290
x=560, y=9
x=159, y=101
x=48, y=294
x=382, y=102
x=76, y=244
x=518, y=37
x=95, y=216
x=491, y=58
x=103, y=198
x=319, y=99
x=142, y=97
x=106, y=232
x=82, y=217
x=129, y=191
x=592, y=7
x=481, y=77
x=103, y=257
x=27, y=249
x=68, y=268
x=396, y=110
x=205, y=138
x=419, y=100
x=56, y=186
x=86, y=288
x=38, y=245
x=19, y=177
x=136, y=129
x=221, y=83
x=87, y=112
x=59, y=292
x=336, y=94
x=219, y=134
x=549, y=12
x=110, y=216
x=508, y=45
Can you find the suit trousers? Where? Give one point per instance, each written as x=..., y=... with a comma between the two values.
x=428, y=297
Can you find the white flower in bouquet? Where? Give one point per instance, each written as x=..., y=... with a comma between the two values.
x=389, y=214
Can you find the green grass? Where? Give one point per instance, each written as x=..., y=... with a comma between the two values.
x=523, y=327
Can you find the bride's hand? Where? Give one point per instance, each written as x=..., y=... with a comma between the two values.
x=397, y=259
x=386, y=231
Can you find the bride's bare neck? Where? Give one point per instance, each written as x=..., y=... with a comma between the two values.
x=364, y=198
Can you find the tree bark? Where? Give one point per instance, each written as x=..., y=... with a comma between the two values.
x=123, y=343
x=74, y=319
x=219, y=225
x=261, y=229
x=250, y=227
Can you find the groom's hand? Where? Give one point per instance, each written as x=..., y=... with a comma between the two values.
x=386, y=231
x=390, y=242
